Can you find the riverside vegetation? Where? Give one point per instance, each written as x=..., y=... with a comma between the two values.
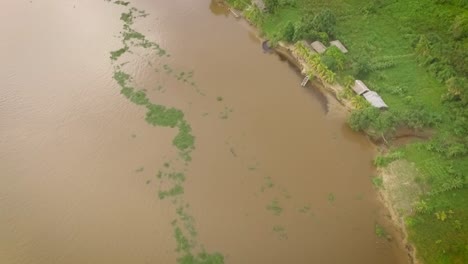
x=415, y=54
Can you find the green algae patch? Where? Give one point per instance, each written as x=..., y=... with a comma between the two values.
x=163, y=116
x=184, y=139
x=305, y=209
x=188, y=220
x=116, y=54
x=121, y=3
x=132, y=34
x=274, y=207
x=159, y=115
x=202, y=258
x=122, y=78
x=127, y=17
x=183, y=244
x=281, y=231
x=177, y=177
x=186, y=247
x=138, y=98
x=174, y=191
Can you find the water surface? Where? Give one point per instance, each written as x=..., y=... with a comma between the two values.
x=275, y=176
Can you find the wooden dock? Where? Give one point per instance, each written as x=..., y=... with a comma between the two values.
x=234, y=13
x=304, y=82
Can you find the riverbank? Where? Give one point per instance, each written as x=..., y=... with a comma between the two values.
x=419, y=185
x=289, y=52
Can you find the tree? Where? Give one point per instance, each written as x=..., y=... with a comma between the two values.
x=325, y=21
x=288, y=31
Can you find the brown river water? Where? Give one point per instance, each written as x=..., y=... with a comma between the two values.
x=276, y=175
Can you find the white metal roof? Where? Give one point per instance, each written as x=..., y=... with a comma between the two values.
x=359, y=87
x=339, y=45
x=318, y=46
x=374, y=99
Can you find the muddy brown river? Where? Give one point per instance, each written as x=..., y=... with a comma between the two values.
x=274, y=174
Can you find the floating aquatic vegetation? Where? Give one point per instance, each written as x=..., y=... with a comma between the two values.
x=281, y=231
x=274, y=207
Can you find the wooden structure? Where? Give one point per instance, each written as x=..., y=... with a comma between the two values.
x=318, y=46
x=372, y=97
x=304, y=82
x=234, y=13
x=339, y=45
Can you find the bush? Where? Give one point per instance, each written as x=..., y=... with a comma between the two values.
x=375, y=122
x=314, y=63
x=287, y=32
x=325, y=21
x=334, y=58
x=459, y=27
x=457, y=89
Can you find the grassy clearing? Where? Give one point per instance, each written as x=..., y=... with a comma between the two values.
x=415, y=54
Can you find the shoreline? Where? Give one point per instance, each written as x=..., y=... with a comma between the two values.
x=288, y=51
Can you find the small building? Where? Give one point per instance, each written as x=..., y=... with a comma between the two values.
x=374, y=99
x=360, y=88
x=318, y=46
x=260, y=4
x=339, y=45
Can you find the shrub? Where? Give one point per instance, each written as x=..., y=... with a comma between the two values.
x=325, y=21
x=287, y=32
x=459, y=27
x=334, y=58
x=314, y=63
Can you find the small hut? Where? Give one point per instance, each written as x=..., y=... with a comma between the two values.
x=339, y=45
x=318, y=46
x=374, y=99
x=359, y=87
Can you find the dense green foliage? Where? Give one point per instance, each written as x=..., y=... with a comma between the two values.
x=414, y=53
